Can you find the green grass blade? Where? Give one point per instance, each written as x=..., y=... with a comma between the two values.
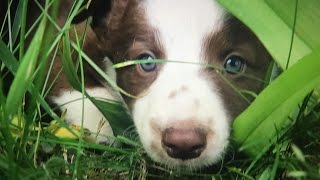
x=42, y=68
x=23, y=27
x=7, y=58
x=115, y=113
x=257, y=127
x=68, y=65
x=12, y=64
x=17, y=22
x=25, y=71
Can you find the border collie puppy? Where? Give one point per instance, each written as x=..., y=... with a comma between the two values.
x=183, y=110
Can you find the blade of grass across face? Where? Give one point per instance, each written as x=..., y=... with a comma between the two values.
x=257, y=127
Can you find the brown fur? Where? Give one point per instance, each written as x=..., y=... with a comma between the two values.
x=121, y=32
x=236, y=38
x=125, y=34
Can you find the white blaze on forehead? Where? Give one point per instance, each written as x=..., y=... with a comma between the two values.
x=183, y=25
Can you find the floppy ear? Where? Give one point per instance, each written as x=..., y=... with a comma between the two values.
x=98, y=10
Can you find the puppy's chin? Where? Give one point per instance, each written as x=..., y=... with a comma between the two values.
x=208, y=157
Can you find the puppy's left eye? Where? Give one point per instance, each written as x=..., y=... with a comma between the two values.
x=147, y=67
x=234, y=65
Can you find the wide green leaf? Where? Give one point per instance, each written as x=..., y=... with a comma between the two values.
x=257, y=127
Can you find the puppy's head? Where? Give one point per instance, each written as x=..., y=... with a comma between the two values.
x=184, y=109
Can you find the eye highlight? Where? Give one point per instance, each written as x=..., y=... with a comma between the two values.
x=147, y=67
x=234, y=65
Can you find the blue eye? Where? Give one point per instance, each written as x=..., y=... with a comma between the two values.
x=147, y=67
x=234, y=64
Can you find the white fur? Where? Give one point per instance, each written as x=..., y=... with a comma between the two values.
x=156, y=107
x=182, y=25
x=71, y=102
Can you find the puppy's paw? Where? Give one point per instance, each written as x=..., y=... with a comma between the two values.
x=82, y=112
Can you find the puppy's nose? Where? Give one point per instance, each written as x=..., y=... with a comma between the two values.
x=184, y=143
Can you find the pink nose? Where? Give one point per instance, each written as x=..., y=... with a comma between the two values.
x=184, y=143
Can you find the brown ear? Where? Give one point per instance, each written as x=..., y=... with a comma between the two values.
x=97, y=9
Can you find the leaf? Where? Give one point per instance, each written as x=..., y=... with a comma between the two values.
x=257, y=127
x=298, y=153
x=7, y=58
x=68, y=65
x=297, y=174
x=17, y=22
x=116, y=114
x=272, y=22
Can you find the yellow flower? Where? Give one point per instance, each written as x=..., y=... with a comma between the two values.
x=66, y=131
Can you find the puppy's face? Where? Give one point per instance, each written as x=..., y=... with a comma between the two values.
x=184, y=110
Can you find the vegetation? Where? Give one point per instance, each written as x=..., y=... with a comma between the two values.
x=278, y=136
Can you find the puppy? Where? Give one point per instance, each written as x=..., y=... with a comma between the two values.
x=185, y=105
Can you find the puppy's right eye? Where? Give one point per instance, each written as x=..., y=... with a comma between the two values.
x=234, y=64
x=147, y=67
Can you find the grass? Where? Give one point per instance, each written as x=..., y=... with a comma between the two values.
x=28, y=150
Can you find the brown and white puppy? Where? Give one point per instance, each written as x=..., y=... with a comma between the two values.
x=184, y=110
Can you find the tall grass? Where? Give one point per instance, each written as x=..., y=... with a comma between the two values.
x=30, y=150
